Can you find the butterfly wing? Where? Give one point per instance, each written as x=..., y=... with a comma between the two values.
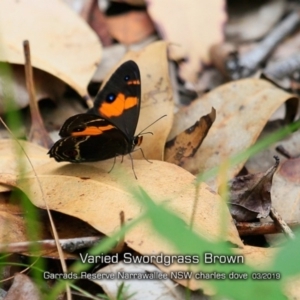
x=119, y=100
x=87, y=137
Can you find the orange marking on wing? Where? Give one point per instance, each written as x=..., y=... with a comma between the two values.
x=116, y=108
x=93, y=130
x=130, y=102
x=134, y=82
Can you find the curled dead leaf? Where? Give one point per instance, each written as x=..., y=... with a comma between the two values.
x=286, y=190
x=185, y=145
x=243, y=107
x=250, y=195
x=88, y=192
x=76, y=45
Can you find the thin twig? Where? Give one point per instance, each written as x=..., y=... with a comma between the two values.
x=284, y=68
x=38, y=133
x=248, y=63
x=274, y=215
x=21, y=272
x=69, y=245
x=258, y=228
x=120, y=246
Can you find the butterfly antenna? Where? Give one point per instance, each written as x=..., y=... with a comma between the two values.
x=151, y=125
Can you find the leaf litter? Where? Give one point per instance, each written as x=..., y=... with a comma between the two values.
x=243, y=108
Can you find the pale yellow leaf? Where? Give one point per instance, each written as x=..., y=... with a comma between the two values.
x=61, y=43
x=191, y=27
x=88, y=192
x=243, y=108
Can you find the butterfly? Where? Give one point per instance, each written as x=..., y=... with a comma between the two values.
x=107, y=130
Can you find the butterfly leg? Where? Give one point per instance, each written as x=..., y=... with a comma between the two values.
x=132, y=166
x=113, y=165
x=143, y=154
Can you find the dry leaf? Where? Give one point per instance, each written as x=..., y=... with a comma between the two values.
x=23, y=288
x=114, y=53
x=257, y=257
x=88, y=192
x=292, y=288
x=74, y=189
x=11, y=151
x=191, y=28
x=130, y=27
x=12, y=228
x=286, y=190
x=185, y=145
x=249, y=195
x=46, y=86
x=243, y=107
x=71, y=54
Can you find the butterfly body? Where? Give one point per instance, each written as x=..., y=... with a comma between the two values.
x=108, y=129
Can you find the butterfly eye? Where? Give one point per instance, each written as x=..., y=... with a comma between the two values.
x=110, y=97
x=127, y=77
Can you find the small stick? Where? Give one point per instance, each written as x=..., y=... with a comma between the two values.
x=258, y=228
x=280, y=149
x=280, y=223
x=69, y=245
x=248, y=63
x=120, y=246
x=38, y=133
x=284, y=68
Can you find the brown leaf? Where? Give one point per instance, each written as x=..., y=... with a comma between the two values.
x=13, y=228
x=58, y=180
x=11, y=151
x=99, y=200
x=130, y=27
x=185, y=145
x=286, y=190
x=250, y=195
x=185, y=27
x=12, y=157
x=23, y=288
x=46, y=86
x=243, y=107
x=70, y=54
